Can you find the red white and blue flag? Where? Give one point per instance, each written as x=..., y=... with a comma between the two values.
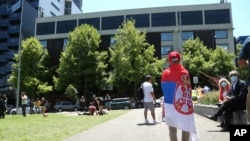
x=179, y=107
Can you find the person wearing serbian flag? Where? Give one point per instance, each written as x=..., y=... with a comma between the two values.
x=178, y=104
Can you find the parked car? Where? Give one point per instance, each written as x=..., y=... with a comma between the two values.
x=66, y=106
x=159, y=101
x=121, y=103
x=9, y=108
x=19, y=112
x=137, y=104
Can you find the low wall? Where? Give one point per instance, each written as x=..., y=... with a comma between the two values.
x=239, y=117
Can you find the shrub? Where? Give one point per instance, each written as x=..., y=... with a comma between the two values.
x=210, y=98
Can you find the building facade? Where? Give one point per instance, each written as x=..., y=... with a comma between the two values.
x=166, y=27
x=17, y=21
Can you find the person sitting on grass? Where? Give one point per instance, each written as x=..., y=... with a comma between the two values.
x=92, y=109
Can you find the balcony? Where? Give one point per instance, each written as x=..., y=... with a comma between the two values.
x=3, y=47
x=15, y=18
x=4, y=10
x=14, y=29
x=4, y=35
x=11, y=54
x=3, y=59
x=4, y=23
x=2, y=70
x=13, y=43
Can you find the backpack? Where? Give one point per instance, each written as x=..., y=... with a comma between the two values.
x=140, y=93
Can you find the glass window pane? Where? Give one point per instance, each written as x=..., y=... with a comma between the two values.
x=91, y=21
x=141, y=20
x=163, y=19
x=221, y=34
x=166, y=49
x=66, y=26
x=224, y=46
x=112, y=22
x=191, y=18
x=167, y=36
x=45, y=28
x=65, y=42
x=217, y=16
x=187, y=35
x=44, y=43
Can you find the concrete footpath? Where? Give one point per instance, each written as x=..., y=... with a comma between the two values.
x=131, y=127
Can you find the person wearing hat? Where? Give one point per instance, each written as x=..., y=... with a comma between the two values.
x=178, y=104
x=149, y=99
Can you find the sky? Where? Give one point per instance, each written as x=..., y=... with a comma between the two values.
x=240, y=13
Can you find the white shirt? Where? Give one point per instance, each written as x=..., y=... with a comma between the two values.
x=147, y=89
x=24, y=99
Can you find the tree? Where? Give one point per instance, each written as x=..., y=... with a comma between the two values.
x=207, y=63
x=81, y=65
x=32, y=78
x=132, y=57
x=71, y=92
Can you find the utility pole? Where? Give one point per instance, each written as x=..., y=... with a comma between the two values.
x=19, y=60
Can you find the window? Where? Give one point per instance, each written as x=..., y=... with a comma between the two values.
x=191, y=18
x=223, y=46
x=221, y=34
x=91, y=21
x=217, y=16
x=163, y=19
x=66, y=26
x=65, y=42
x=166, y=49
x=45, y=28
x=187, y=35
x=112, y=40
x=44, y=43
x=167, y=36
x=54, y=5
x=141, y=20
x=112, y=22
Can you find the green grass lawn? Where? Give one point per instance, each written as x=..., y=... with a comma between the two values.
x=55, y=127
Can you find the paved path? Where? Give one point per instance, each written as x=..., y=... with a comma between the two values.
x=130, y=127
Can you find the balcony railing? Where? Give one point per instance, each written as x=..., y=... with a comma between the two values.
x=3, y=35
x=3, y=46
x=5, y=10
x=4, y=23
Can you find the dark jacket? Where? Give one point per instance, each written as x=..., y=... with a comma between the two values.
x=239, y=93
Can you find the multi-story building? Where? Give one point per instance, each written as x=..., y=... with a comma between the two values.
x=167, y=27
x=17, y=21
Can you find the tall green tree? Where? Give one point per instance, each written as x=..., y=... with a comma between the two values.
x=132, y=57
x=206, y=63
x=33, y=61
x=81, y=65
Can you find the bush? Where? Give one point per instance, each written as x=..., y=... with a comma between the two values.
x=210, y=98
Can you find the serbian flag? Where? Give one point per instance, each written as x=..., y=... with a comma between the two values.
x=179, y=107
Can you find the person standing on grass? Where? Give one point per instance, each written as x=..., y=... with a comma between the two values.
x=3, y=106
x=243, y=61
x=24, y=100
x=82, y=103
x=37, y=104
x=44, y=102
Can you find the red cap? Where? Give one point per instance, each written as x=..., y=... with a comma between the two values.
x=174, y=56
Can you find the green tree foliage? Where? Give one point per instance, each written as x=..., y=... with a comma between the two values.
x=242, y=70
x=206, y=63
x=71, y=92
x=33, y=70
x=81, y=65
x=132, y=57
